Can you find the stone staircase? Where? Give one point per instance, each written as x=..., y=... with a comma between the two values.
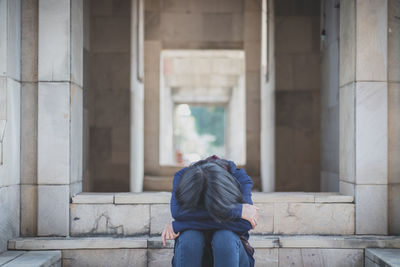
x=123, y=229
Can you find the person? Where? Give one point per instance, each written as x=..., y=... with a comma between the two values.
x=213, y=212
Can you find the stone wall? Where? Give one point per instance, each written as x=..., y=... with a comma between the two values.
x=297, y=57
x=108, y=97
x=330, y=98
x=226, y=24
x=10, y=97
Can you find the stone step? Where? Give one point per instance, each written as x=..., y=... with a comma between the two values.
x=375, y=257
x=30, y=259
x=130, y=214
x=270, y=250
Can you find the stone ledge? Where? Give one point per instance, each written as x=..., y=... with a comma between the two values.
x=257, y=241
x=36, y=258
x=8, y=256
x=383, y=257
x=164, y=198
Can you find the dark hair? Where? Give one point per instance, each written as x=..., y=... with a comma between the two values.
x=208, y=184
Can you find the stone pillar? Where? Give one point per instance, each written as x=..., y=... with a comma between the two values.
x=137, y=97
x=60, y=37
x=267, y=80
x=394, y=115
x=363, y=111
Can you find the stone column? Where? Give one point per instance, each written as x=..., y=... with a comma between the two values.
x=394, y=115
x=59, y=112
x=137, y=98
x=364, y=111
x=267, y=80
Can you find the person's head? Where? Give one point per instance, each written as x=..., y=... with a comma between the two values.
x=208, y=184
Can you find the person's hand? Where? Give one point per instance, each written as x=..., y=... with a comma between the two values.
x=168, y=234
x=250, y=213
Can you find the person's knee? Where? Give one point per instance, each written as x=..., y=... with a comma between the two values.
x=191, y=240
x=225, y=240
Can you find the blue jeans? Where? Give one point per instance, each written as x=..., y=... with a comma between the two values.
x=227, y=249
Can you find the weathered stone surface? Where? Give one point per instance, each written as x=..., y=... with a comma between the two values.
x=383, y=257
x=29, y=209
x=54, y=41
x=347, y=42
x=159, y=257
x=93, y=198
x=48, y=243
x=8, y=256
x=371, y=202
x=9, y=210
x=393, y=41
x=143, y=198
x=264, y=241
x=265, y=220
x=321, y=257
x=54, y=133
x=53, y=213
x=371, y=133
x=29, y=40
x=36, y=258
x=346, y=188
x=347, y=133
x=107, y=219
x=266, y=257
x=371, y=44
x=333, y=198
x=394, y=132
x=259, y=197
x=394, y=209
x=308, y=218
x=14, y=39
x=104, y=258
x=76, y=36
x=160, y=216
x=29, y=120
x=76, y=133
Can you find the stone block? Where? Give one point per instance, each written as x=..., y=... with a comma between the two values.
x=104, y=258
x=393, y=41
x=346, y=188
x=37, y=258
x=105, y=116
x=54, y=41
x=73, y=243
x=29, y=120
x=152, y=52
x=29, y=40
x=371, y=202
x=29, y=210
x=10, y=170
x=53, y=213
x=284, y=72
x=347, y=42
x=252, y=56
x=160, y=216
x=14, y=39
x=329, y=182
x=77, y=42
x=394, y=209
x=108, y=219
x=347, y=133
x=306, y=73
x=221, y=27
x=120, y=140
x=9, y=256
x=293, y=34
x=110, y=71
x=9, y=210
x=152, y=21
x=310, y=218
x=110, y=34
x=321, y=257
x=3, y=38
x=54, y=133
x=75, y=188
x=383, y=257
x=159, y=257
x=93, y=198
x=333, y=198
x=102, y=8
x=143, y=198
x=372, y=43
x=178, y=27
x=76, y=133
x=394, y=133
x=290, y=197
x=371, y=134
x=3, y=98
x=266, y=257
x=252, y=26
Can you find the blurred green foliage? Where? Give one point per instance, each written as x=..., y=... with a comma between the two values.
x=210, y=120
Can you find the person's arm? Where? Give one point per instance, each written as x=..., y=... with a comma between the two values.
x=246, y=184
x=239, y=226
x=180, y=214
